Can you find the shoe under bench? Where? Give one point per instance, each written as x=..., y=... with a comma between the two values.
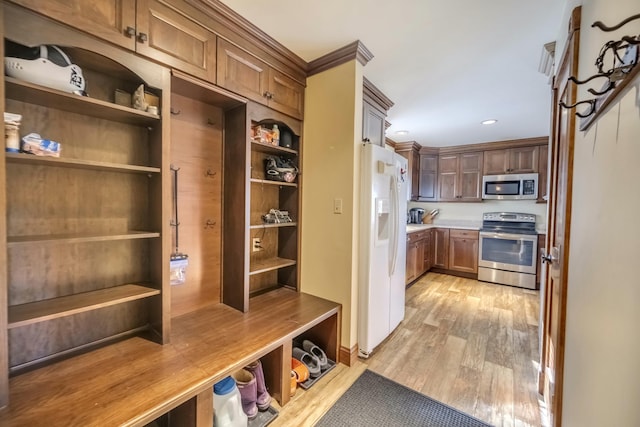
x=135, y=381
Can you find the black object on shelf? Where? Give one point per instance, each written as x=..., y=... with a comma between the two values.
x=264, y=418
x=311, y=381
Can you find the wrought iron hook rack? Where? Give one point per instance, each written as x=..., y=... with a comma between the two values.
x=624, y=56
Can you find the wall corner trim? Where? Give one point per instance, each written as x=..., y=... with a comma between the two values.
x=355, y=50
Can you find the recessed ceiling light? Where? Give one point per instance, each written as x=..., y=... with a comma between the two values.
x=488, y=122
x=402, y=132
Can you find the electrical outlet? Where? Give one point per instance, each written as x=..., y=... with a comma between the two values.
x=256, y=244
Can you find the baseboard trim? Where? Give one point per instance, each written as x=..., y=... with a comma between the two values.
x=348, y=356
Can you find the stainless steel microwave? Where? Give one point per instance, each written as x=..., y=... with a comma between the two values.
x=510, y=187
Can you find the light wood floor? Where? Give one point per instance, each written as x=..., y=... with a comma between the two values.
x=469, y=344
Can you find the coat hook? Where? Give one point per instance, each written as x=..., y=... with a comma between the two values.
x=591, y=102
x=209, y=224
x=209, y=173
x=603, y=27
x=173, y=168
x=174, y=111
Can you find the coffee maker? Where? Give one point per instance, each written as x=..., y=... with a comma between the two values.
x=415, y=215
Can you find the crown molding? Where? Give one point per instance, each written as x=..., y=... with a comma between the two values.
x=355, y=50
x=373, y=93
x=231, y=26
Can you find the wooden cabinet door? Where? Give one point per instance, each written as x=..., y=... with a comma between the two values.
x=470, y=177
x=373, y=125
x=170, y=37
x=441, y=248
x=448, y=178
x=428, y=179
x=543, y=170
x=427, y=249
x=241, y=72
x=523, y=160
x=463, y=251
x=414, y=169
x=106, y=19
x=287, y=96
x=411, y=261
x=496, y=162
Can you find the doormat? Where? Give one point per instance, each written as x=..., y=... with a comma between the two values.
x=374, y=400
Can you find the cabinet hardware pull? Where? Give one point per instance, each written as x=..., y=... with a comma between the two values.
x=210, y=122
x=268, y=95
x=366, y=140
x=130, y=31
x=209, y=223
x=174, y=111
x=209, y=173
x=142, y=37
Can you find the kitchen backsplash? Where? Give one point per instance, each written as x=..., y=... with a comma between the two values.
x=474, y=211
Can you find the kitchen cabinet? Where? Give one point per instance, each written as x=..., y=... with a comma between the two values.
x=511, y=160
x=441, y=248
x=463, y=250
x=157, y=29
x=460, y=177
x=373, y=127
x=410, y=151
x=246, y=75
x=427, y=245
x=428, y=184
x=419, y=254
x=374, y=113
x=543, y=170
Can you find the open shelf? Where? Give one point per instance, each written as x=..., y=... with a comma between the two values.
x=270, y=264
x=79, y=237
x=40, y=311
x=52, y=98
x=31, y=159
x=272, y=149
x=269, y=182
x=274, y=225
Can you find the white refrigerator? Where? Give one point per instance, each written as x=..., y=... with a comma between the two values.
x=383, y=242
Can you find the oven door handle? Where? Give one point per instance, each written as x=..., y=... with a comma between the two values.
x=491, y=235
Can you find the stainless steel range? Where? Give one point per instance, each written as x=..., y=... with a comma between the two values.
x=508, y=249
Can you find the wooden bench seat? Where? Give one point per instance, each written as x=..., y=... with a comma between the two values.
x=135, y=381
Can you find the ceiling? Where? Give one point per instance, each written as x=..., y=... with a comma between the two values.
x=447, y=65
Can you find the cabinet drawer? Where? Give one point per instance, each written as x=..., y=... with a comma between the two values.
x=416, y=236
x=464, y=234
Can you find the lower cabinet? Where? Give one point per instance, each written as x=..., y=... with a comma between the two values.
x=441, y=248
x=463, y=251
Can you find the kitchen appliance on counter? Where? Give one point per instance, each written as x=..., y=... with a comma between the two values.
x=416, y=215
x=383, y=241
x=510, y=187
x=508, y=249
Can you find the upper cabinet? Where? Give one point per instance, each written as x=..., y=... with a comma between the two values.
x=154, y=28
x=460, y=177
x=511, y=160
x=113, y=20
x=428, y=184
x=374, y=114
x=244, y=74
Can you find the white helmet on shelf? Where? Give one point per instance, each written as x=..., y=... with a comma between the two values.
x=45, y=65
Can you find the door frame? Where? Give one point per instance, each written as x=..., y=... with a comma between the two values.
x=561, y=119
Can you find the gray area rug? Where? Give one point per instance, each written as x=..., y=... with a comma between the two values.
x=374, y=400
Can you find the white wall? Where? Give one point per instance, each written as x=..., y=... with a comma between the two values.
x=602, y=358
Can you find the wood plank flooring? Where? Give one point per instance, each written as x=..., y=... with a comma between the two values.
x=469, y=344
